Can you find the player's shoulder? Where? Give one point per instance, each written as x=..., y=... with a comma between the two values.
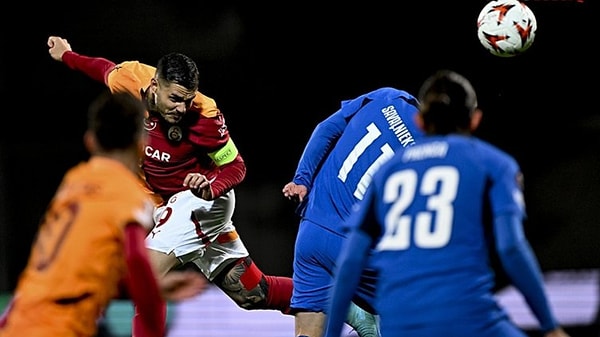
x=376, y=94
x=206, y=106
x=126, y=197
x=390, y=93
x=491, y=149
x=131, y=76
x=490, y=155
x=135, y=67
x=106, y=186
x=111, y=176
x=383, y=96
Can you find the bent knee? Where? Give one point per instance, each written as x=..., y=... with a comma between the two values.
x=251, y=299
x=244, y=284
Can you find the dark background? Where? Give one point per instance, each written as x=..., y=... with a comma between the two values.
x=276, y=71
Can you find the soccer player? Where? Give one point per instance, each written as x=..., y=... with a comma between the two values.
x=431, y=217
x=192, y=165
x=90, y=244
x=336, y=166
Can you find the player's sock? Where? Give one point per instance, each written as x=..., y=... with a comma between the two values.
x=364, y=323
x=278, y=289
x=279, y=293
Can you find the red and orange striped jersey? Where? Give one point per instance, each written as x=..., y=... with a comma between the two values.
x=205, y=145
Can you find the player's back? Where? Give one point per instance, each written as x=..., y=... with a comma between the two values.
x=379, y=123
x=77, y=260
x=433, y=211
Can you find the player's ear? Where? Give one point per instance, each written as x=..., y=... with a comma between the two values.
x=476, y=119
x=154, y=82
x=419, y=121
x=89, y=141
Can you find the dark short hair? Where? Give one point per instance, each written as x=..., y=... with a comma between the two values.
x=116, y=119
x=447, y=100
x=180, y=69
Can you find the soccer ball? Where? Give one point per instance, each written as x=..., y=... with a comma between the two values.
x=506, y=28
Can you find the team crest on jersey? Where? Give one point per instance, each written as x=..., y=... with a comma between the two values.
x=175, y=133
x=149, y=125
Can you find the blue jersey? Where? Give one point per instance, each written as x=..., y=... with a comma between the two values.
x=348, y=147
x=336, y=167
x=429, y=216
x=433, y=203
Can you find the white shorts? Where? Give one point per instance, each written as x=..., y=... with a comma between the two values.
x=197, y=230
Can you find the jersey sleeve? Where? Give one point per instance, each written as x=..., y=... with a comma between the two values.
x=520, y=264
x=514, y=251
x=211, y=132
x=318, y=147
x=323, y=139
x=130, y=76
x=231, y=175
x=96, y=68
x=142, y=285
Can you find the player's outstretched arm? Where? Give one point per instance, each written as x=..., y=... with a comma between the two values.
x=521, y=265
x=97, y=68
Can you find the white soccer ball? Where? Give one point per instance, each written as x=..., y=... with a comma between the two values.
x=506, y=27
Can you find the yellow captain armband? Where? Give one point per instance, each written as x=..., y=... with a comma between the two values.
x=224, y=155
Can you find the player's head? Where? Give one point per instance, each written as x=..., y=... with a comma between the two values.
x=448, y=104
x=116, y=125
x=173, y=87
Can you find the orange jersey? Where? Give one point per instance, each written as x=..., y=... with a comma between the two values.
x=77, y=261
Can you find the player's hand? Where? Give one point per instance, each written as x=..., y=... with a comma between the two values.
x=57, y=47
x=199, y=185
x=182, y=285
x=294, y=192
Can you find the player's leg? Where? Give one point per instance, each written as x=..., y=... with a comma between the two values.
x=241, y=279
x=162, y=262
x=361, y=314
x=313, y=323
x=315, y=251
x=177, y=238
x=309, y=324
x=174, y=240
x=225, y=261
x=363, y=322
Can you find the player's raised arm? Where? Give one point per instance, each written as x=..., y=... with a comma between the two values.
x=96, y=68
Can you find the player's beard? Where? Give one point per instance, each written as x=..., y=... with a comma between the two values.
x=172, y=117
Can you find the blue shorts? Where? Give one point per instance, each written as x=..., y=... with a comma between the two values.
x=315, y=254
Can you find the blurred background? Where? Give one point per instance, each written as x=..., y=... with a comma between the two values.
x=277, y=70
